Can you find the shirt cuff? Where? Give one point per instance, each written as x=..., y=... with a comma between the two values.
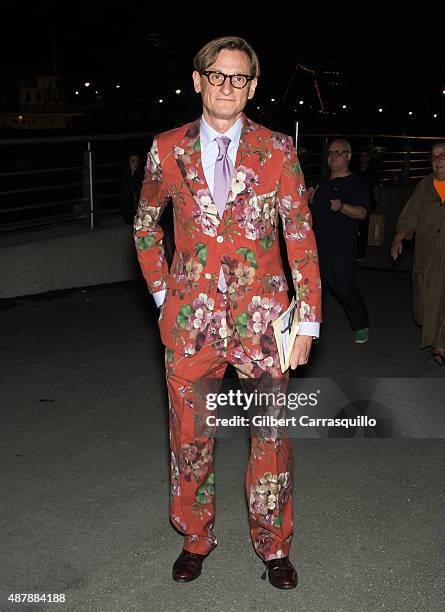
x=309, y=329
x=159, y=297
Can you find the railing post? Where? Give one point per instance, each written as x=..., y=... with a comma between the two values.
x=89, y=186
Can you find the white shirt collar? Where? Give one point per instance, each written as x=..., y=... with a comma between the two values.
x=208, y=134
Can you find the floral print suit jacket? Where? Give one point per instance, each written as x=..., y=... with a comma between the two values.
x=267, y=181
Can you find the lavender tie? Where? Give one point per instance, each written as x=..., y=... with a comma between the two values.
x=221, y=187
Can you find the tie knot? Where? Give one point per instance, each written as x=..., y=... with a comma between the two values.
x=223, y=144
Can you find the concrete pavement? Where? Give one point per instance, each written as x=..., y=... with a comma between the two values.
x=84, y=469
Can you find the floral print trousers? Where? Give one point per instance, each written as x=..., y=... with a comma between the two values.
x=268, y=477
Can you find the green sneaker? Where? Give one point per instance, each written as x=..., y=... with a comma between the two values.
x=362, y=335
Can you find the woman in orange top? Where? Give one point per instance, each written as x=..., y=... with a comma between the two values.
x=424, y=215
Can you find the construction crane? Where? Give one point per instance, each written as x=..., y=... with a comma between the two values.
x=317, y=90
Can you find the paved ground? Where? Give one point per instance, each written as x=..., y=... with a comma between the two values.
x=84, y=468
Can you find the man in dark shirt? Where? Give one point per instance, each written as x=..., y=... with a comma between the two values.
x=338, y=203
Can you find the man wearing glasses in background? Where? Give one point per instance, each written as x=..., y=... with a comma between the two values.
x=338, y=203
x=228, y=178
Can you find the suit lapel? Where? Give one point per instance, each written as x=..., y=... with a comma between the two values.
x=188, y=159
x=248, y=158
x=187, y=153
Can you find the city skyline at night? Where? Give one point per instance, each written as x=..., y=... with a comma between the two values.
x=145, y=73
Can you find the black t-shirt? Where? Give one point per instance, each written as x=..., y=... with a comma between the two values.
x=371, y=178
x=336, y=233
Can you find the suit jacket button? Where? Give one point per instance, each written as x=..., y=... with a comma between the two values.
x=220, y=239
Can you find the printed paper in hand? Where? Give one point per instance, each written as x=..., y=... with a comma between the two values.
x=285, y=329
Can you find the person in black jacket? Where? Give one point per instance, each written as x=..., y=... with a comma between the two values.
x=131, y=187
x=368, y=172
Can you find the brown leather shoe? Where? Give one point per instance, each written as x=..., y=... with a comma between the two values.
x=282, y=573
x=187, y=566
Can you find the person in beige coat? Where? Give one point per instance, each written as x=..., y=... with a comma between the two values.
x=424, y=216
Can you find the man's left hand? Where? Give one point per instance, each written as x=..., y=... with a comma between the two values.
x=300, y=351
x=336, y=204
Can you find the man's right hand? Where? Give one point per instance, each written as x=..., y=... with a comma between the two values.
x=396, y=248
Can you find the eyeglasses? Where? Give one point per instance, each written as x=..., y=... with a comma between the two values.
x=219, y=78
x=336, y=153
x=440, y=157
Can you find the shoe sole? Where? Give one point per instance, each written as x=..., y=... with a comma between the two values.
x=186, y=579
x=284, y=588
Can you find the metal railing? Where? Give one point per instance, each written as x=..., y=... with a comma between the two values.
x=82, y=189
x=49, y=181
x=399, y=159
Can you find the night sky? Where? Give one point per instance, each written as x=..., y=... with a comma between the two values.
x=393, y=66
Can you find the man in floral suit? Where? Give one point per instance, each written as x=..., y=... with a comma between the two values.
x=225, y=287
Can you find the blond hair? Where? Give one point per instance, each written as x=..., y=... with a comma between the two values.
x=208, y=54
